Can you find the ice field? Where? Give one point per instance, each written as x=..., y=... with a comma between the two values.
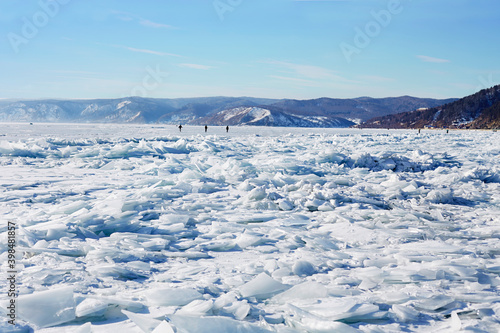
x=142, y=228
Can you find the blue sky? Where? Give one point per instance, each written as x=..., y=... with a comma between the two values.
x=261, y=48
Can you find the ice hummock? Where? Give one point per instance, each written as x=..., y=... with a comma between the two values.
x=137, y=228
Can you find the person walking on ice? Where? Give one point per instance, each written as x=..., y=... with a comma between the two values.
x=180, y=128
x=206, y=128
x=227, y=129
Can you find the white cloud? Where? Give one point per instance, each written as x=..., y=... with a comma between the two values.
x=309, y=72
x=147, y=51
x=196, y=66
x=432, y=59
x=133, y=49
x=148, y=23
x=129, y=17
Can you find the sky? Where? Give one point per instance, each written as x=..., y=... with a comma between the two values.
x=75, y=49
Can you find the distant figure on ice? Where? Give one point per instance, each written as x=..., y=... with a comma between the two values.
x=227, y=129
x=180, y=128
x=419, y=131
x=206, y=128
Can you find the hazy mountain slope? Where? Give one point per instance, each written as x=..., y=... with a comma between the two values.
x=122, y=110
x=321, y=112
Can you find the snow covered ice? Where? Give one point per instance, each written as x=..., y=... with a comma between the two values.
x=140, y=228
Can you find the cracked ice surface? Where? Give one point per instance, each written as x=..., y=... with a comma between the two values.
x=145, y=229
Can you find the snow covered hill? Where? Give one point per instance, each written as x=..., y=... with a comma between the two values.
x=480, y=110
x=258, y=116
x=357, y=109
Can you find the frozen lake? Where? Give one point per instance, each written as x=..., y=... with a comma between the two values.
x=142, y=228
x=16, y=131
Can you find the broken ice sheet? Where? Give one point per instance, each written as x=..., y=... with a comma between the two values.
x=167, y=296
x=196, y=308
x=90, y=306
x=434, y=303
x=217, y=324
x=310, y=322
x=335, y=309
x=144, y=322
x=261, y=287
x=304, y=290
x=164, y=327
x=47, y=308
x=405, y=313
x=239, y=310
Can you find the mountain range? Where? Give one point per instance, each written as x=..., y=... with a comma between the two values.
x=478, y=111
x=322, y=112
